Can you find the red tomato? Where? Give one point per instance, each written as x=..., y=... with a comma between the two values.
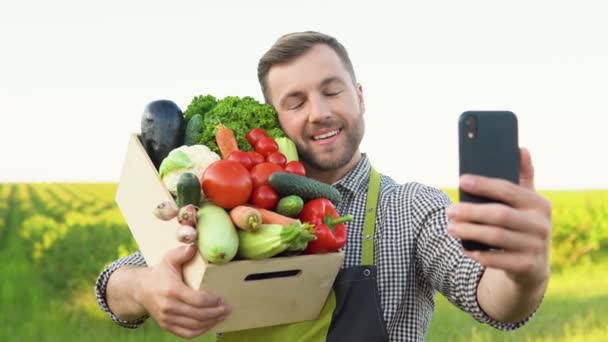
x=254, y=135
x=241, y=157
x=295, y=167
x=256, y=158
x=261, y=172
x=264, y=197
x=277, y=158
x=266, y=146
x=227, y=183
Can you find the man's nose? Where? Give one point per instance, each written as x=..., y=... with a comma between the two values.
x=319, y=110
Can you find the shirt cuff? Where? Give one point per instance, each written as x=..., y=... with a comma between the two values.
x=474, y=276
x=135, y=259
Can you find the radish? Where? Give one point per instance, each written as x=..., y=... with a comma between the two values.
x=187, y=215
x=186, y=234
x=166, y=210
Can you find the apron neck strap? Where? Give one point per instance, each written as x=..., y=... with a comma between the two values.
x=373, y=190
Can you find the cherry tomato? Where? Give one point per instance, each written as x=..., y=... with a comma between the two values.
x=256, y=158
x=241, y=157
x=261, y=172
x=264, y=197
x=277, y=158
x=254, y=135
x=295, y=167
x=227, y=183
x=266, y=146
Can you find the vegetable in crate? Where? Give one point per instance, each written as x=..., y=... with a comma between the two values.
x=288, y=148
x=227, y=183
x=194, y=159
x=269, y=240
x=194, y=129
x=188, y=190
x=307, y=188
x=329, y=226
x=246, y=218
x=186, y=234
x=218, y=241
x=290, y=205
x=239, y=114
x=162, y=129
x=166, y=211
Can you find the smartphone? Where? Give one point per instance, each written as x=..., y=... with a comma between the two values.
x=488, y=146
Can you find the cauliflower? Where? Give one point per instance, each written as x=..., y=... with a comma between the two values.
x=194, y=159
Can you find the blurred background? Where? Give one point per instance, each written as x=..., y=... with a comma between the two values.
x=75, y=77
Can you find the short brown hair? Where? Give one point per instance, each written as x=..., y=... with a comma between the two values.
x=294, y=45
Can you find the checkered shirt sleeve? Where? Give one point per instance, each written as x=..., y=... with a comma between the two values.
x=135, y=259
x=442, y=262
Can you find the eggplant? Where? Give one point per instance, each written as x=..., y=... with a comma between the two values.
x=162, y=129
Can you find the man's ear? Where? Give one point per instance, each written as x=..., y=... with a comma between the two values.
x=360, y=97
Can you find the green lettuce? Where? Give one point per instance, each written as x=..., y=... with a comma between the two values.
x=239, y=114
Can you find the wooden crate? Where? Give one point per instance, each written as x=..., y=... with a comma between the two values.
x=261, y=292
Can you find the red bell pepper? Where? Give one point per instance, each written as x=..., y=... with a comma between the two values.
x=328, y=225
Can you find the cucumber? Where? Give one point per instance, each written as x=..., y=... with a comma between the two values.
x=291, y=184
x=188, y=190
x=218, y=240
x=194, y=128
x=290, y=205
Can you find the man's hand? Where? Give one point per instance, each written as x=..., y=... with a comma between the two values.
x=520, y=230
x=161, y=292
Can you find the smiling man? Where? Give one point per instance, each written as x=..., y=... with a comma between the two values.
x=402, y=244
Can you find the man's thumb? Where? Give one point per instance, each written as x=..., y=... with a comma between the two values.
x=179, y=255
x=526, y=169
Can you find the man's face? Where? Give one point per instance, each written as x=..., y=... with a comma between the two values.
x=319, y=108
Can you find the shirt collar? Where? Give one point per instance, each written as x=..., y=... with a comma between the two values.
x=357, y=178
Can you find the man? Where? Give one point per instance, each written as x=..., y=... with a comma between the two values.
x=397, y=258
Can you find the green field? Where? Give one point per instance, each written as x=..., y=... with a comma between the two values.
x=56, y=238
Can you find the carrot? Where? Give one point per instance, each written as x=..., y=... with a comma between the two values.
x=269, y=216
x=246, y=218
x=226, y=141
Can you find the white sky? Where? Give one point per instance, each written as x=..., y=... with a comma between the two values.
x=75, y=77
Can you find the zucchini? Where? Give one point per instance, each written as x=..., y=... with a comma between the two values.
x=218, y=240
x=162, y=129
x=194, y=128
x=291, y=184
x=188, y=190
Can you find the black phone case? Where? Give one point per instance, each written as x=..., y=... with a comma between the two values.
x=492, y=152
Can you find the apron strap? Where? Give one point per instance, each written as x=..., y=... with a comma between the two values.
x=373, y=191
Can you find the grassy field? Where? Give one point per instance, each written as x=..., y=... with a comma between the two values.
x=55, y=239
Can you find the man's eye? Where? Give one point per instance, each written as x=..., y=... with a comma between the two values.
x=295, y=106
x=332, y=93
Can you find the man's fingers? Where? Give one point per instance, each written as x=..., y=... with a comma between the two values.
x=177, y=308
x=508, y=261
x=526, y=169
x=189, y=333
x=496, y=237
x=205, y=319
x=176, y=257
x=199, y=299
x=499, y=190
x=496, y=214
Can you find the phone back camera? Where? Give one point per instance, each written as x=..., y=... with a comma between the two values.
x=471, y=124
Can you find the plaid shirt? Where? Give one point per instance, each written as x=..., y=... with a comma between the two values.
x=413, y=253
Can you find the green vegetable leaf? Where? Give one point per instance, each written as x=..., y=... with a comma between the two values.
x=176, y=160
x=239, y=114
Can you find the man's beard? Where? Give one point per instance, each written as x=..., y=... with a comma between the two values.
x=353, y=140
